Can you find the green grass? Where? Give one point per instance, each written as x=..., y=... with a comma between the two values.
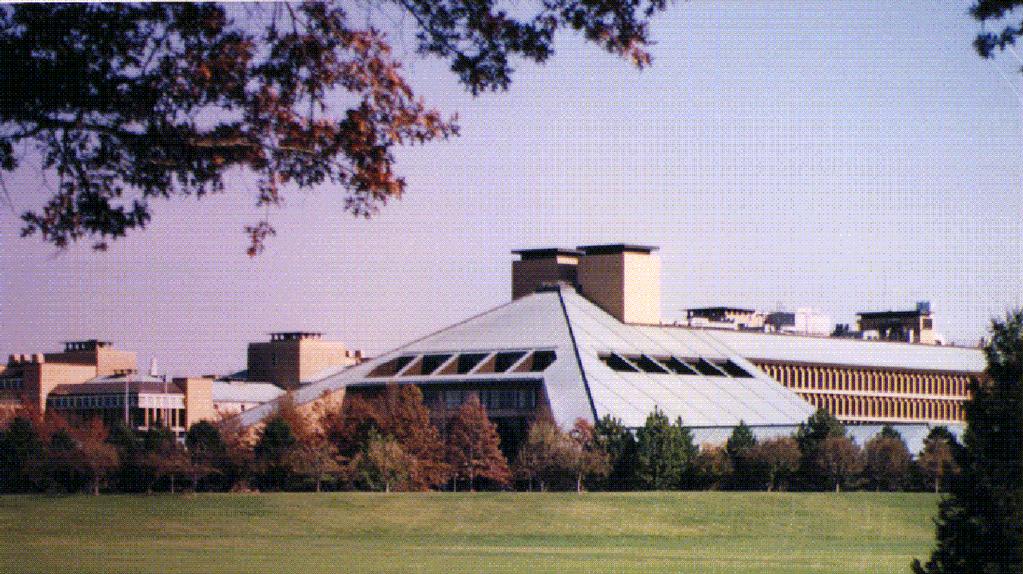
x=705, y=532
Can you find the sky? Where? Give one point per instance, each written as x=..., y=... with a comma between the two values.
x=841, y=156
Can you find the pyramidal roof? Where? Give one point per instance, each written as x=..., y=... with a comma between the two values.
x=590, y=367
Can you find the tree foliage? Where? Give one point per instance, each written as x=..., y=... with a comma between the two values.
x=997, y=11
x=773, y=462
x=840, y=461
x=620, y=445
x=130, y=102
x=738, y=447
x=886, y=460
x=664, y=453
x=937, y=460
x=811, y=435
x=980, y=523
x=473, y=447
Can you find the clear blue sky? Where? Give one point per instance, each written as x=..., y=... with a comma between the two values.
x=846, y=156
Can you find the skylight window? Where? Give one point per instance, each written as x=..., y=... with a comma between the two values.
x=618, y=363
x=733, y=369
x=677, y=366
x=467, y=361
x=670, y=365
x=506, y=360
x=648, y=365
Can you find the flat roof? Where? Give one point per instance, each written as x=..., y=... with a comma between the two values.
x=545, y=253
x=616, y=248
x=892, y=314
x=721, y=309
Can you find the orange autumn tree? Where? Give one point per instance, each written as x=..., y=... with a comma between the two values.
x=473, y=448
x=398, y=412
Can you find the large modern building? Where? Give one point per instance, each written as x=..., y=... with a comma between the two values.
x=583, y=338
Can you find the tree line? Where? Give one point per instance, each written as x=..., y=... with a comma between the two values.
x=388, y=442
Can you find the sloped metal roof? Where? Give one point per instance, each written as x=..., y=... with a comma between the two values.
x=579, y=384
x=701, y=401
x=239, y=392
x=851, y=352
x=536, y=321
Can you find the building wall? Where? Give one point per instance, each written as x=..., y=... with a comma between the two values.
x=289, y=362
x=107, y=361
x=876, y=395
x=198, y=400
x=41, y=378
x=642, y=287
x=530, y=274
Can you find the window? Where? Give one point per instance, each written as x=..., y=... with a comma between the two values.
x=618, y=363
x=647, y=364
x=433, y=362
x=542, y=360
x=505, y=361
x=677, y=366
x=392, y=367
x=468, y=361
x=733, y=369
x=706, y=368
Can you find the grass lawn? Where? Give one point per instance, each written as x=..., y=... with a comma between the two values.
x=705, y=532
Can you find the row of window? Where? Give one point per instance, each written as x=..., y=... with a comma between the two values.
x=671, y=365
x=491, y=399
x=90, y=402
x=466, y=363
x=11, y=383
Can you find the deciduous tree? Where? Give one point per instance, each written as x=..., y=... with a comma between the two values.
x=586, y=458
x=810, y=436
x=773, y=462
x=473, y=447
x=384, y=465
x=840, y=460
x=886, y=460
x=130, y=102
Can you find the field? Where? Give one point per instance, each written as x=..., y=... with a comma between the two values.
x=705, y=532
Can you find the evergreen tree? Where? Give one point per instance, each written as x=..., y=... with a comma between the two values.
x=20, y=444
x=738, y=447
x=620, y=445
x=664, y=453
x=937, y=461
x=810, y=436
x=980, y=523
x=272, y=450
x=131, y=476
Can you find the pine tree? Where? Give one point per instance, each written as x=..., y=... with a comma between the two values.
x=936, y=460
x=738, y=447
x=811, y=436
x=620, y=445
x=20, y=443
x=980, y=523
x=664, y=453
x=473, y=448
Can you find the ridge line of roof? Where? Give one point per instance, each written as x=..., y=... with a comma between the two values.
x=578, y=358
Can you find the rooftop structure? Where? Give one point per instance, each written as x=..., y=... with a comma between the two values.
x=916, y=326
x=291, y=359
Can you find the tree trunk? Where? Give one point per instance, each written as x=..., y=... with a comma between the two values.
x=578, y=483
x=838, y=486
x=937, y=485
x=95, y=486
x=387, y=487
x=172, y=483
x=318, y=480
